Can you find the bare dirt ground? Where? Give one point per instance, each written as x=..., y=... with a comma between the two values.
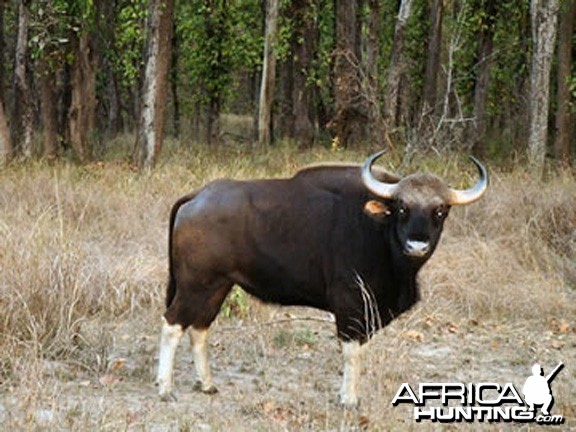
x=278, y=372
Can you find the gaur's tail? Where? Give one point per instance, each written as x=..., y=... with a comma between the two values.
x=171, y=289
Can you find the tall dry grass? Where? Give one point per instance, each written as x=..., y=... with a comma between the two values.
x=513, y=253
x=83, y=249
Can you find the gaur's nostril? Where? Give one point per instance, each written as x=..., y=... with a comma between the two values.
x=416, y=248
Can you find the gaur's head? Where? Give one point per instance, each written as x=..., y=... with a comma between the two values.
x=418, y=205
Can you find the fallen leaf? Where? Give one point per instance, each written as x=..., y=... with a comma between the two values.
x=452, y=328
x=108, y=380
x=565, y=328
x=116, y=365
x=559, y=326
x=429, y=321
x=558, y=344
x=414, y=335
x=268, y=406
x=363, y=422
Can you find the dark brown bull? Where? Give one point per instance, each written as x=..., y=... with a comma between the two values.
x=339, y=238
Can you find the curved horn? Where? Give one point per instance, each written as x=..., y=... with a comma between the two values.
x=383, y=190
x=463, y=197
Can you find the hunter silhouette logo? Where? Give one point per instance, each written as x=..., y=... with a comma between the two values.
x=537, y=390
x=485, y=401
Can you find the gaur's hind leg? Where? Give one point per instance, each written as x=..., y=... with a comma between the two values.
x=199, y=334
x=198, y=340
x=169, y=339
x=196, y=307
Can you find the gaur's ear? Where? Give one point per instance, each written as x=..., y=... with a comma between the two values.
x=377, y=210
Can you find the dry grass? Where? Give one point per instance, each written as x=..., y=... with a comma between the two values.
x=83, y=269
x=514, y=251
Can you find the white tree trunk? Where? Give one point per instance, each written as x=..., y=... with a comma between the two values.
x=151, y=127
x=268, y=73
x=147, y=132
x=544, y=17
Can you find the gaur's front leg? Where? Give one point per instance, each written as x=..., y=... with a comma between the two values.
x=351, y=352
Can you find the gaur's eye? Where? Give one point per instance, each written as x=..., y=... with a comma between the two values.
x=402, y=210
x=440, y=213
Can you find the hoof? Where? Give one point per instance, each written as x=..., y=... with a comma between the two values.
x=168, y=397
x=349, y=404
x=210, y=390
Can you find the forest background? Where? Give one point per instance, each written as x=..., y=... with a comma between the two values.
x=491, y=77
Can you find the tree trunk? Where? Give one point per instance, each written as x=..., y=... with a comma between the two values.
x=398, y=65
x=48, y=111
x=303, y=43
x=107, y=22
x=215, y=20
x=268, y=74
x=154, y=89
x=563, y=114
x=64, y=76
x=114, y=123
x=22, y=112
x=2, y=50
x=284, y=119
x=372, y=45
x=197, y=122
x=174, y=81
x=376, y=125
x=213, y=120
x=433, y=58
x=350, y=119
x=6, y=149
x=255, y=97
x=484, y=62
x=544, y=22
x=83, y=99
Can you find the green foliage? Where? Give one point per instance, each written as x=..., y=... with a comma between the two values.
x=282, y=44
x=572, y=84
x=322, y=13
x=464, y=25
x=303, y=337
x=389, y=12
x=52, y=24
x=416, y=33
x=220, y=47
x=512, y=48
x=321, y=70
x=236, y=304
x=130, y=33
x=218, y=38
